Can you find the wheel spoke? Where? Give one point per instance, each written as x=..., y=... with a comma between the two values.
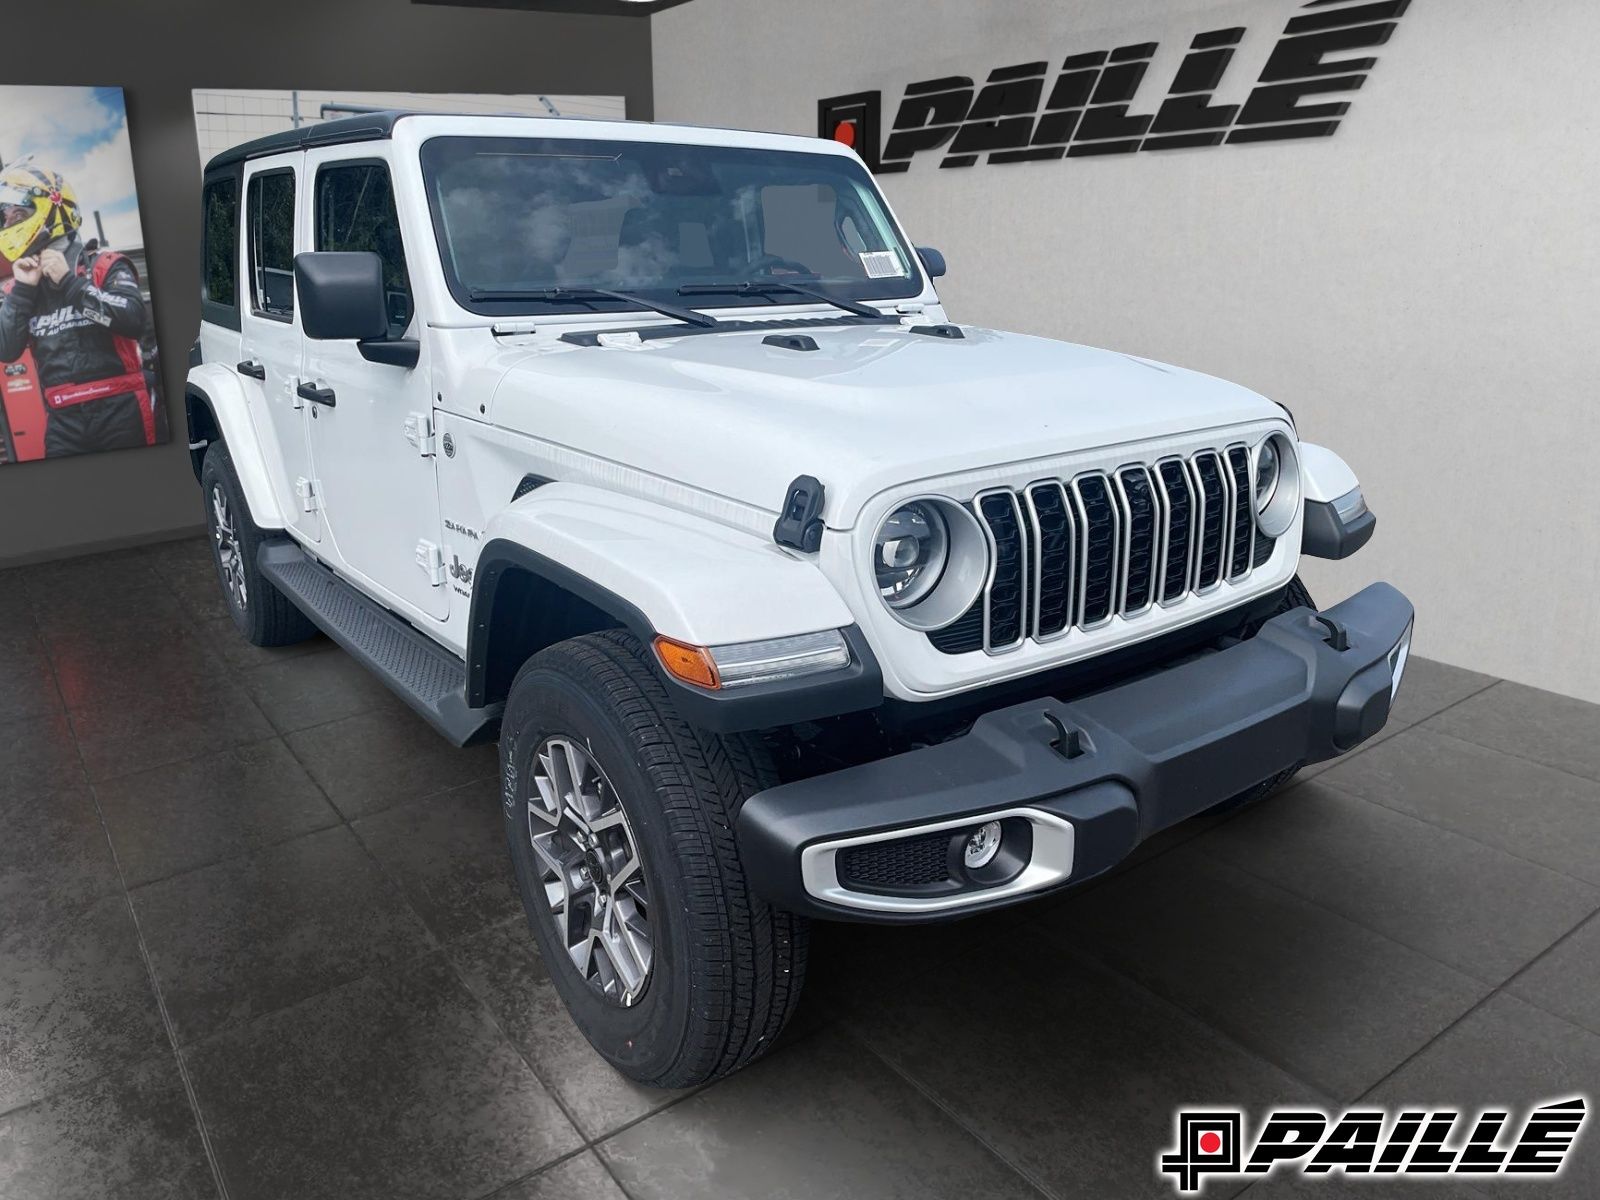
x=590, y=868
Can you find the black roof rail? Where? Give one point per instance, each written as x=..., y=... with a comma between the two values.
x=366, y=127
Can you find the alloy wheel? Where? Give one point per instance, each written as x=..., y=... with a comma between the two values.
x=590, y=871
x=230, y=556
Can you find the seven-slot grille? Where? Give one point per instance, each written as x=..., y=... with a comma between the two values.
x=1075, y=554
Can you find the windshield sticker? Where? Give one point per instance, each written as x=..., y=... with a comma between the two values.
x=883, y=264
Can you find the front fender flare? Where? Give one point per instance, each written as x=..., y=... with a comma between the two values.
x=661, y=571
x=221, y=393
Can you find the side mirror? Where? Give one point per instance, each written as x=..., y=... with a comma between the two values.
x=341, y=295
x=932, y=261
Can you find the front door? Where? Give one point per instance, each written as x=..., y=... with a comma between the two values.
x=269, y=338
x=372, y=446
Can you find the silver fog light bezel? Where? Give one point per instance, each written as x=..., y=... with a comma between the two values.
x=1277, y=515
x=962, y=578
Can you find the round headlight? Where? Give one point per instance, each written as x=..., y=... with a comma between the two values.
x=1269, y=467
x=1277, y=499
x=909, y=554
x=930, y=560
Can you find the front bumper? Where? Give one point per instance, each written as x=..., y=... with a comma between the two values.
x=1076, y=785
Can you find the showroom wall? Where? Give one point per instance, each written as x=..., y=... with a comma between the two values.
x=1418, y=287
x=158, y=51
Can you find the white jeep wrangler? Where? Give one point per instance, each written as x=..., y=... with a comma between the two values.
x=651, y=452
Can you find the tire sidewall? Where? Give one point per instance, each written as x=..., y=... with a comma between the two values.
x=217, y=472
x=645, y=1039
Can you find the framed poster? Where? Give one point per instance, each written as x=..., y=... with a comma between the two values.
x=78, y=366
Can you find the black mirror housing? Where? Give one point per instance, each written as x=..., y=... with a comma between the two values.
x=932, y=261
x=342, y=297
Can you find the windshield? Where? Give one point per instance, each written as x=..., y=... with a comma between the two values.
x=529, y=215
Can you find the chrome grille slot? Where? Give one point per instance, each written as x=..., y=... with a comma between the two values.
x=1070, y=556
x=1054, y=537
x=1005, y=599
x=1177, y=577
x=1099, y=587
x=1213, y=520
x=1140, y=537
x=1244, y=513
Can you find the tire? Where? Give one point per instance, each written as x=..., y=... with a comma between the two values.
x=725, y=968
x=1295, y=597
x=260, y=611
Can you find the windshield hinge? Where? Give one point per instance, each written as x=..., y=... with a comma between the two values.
x=419, y=432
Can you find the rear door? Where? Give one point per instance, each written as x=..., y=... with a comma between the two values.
x=270, y=342
x=373, y=447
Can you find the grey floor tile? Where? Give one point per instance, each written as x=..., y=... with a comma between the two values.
x=1558, y=731
x=379, y=759
x=502, y=967
x=27, y=680
x=75, y=998
x=1431, y=687
x=1509, y=1053
x=1484, y=912
x=1566, y=981
x=198, y=588
x=1064, y=1069
x=448, y=854
x=118, y=570
x=824, y=1118
x=395, y=1085
x=1330, y=1001
x=234, y=652
x=16, y=604
x=126, y=606
x=184, y=815
x=313, y=689
x=120, y=738
x=40, y=756
x=169, y=558
x=130, y=1135
x=1538, y=813
x=233, y=941
x=849, y=965
x=53, y=849
x=104, y=667
x=581, y=1177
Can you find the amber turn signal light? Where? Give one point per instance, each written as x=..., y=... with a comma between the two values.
x=692, y=664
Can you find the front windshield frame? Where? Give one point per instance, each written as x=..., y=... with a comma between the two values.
x=434, y=153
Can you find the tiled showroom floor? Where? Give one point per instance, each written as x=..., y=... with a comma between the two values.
x=257, y=937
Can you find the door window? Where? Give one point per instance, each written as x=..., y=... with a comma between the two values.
x=355, y=211
x=270, y=214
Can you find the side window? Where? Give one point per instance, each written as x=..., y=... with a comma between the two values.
x=218, y=278
x=270, y=215
x=355, y=211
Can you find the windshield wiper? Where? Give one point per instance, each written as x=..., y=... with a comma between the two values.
x=562, y=295
x=768, y=287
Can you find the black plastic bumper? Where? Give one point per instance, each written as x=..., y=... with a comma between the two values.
x=1135, y=758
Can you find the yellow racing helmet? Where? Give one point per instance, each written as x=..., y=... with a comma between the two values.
x=50, y=204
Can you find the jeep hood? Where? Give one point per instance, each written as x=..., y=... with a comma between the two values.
x=871, y=408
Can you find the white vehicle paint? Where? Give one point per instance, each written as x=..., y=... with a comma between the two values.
x=673, y=455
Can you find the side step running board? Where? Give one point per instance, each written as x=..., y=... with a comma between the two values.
x=423, y=673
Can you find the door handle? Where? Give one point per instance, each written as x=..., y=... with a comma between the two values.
x=253, y=369
x=315, y=394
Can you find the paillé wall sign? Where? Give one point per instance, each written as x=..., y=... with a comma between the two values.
x=1033, y=112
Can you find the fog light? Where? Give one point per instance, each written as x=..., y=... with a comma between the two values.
x=982, y=846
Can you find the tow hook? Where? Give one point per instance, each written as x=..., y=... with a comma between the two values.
x=1068, y=742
